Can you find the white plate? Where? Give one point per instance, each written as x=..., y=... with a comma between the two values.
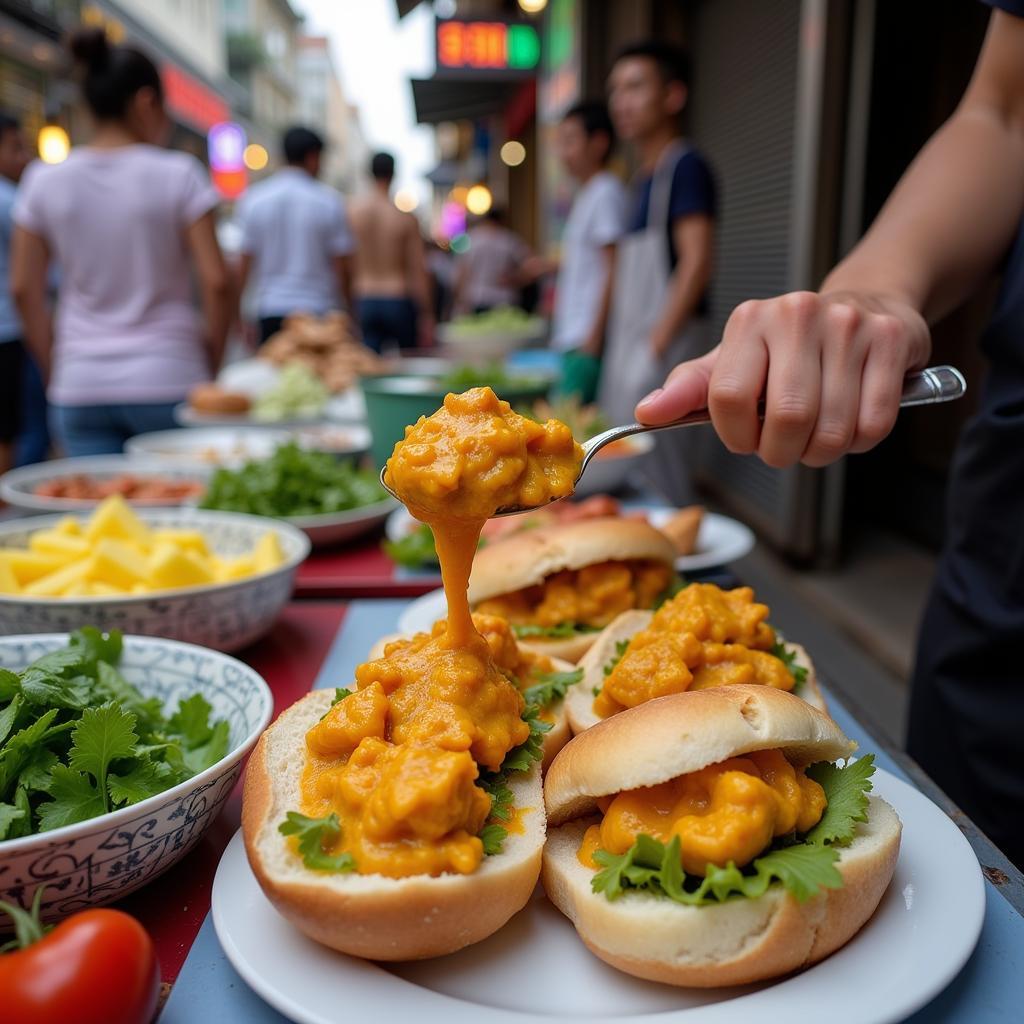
x=328, y=528
x=721, y=540
x=536, y=969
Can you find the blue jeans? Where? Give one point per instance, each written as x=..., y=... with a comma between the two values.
x=387, y=319
x=103, y=429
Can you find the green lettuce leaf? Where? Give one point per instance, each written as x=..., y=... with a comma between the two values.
x=562, y=631
x=551, y=687
x=846, y=790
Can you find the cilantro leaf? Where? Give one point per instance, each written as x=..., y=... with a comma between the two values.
x=676, y=584
x=655, y=867
x=8, y=717
x=313, y=834
x=551, y=687
x=788, y=657
x=521, y=758
x=561, y=631
x=9, y=814
x=146, y=779
x=35, y=776
x=19, y=748
x=192, y=720
x=102, y=735
x=55, y=691
x=95, y=646
x=75, y=798
x=495, y=787
x=10, y=684
x=846, y=790
x=198, y=759
x=493, y=837
x=340, y=693
x=112, y=686
x=620, y=650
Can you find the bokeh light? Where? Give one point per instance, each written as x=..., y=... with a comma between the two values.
x=406, y=201
x=479, y=200
x=255, y=157
x=533, y=6
x=513, y=153
x=54, y=144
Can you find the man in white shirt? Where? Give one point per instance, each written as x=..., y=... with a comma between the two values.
x=295, y=238
x=596, y=222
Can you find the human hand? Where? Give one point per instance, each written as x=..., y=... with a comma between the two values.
x=829, y=367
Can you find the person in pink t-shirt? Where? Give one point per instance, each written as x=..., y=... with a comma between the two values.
x=127, y=222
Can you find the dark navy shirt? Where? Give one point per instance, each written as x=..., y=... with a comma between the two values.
x=693, y=192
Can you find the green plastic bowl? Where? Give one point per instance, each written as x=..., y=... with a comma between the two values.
x=392, y=403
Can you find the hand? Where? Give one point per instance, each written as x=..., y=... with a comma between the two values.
x=830, y=368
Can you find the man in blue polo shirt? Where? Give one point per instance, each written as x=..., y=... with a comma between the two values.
x=830, y=367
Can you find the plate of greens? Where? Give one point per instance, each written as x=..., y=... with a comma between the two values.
x=329, y=500
x=115, y=755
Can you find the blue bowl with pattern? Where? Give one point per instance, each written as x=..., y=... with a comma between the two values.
x=225, y=616
x=105, y=858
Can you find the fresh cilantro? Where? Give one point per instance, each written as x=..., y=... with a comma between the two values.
x=314, y=834
x=501, y=796
x=803, y=868
x=788, y=657
x=340, y=693
x=493, y=837
x=562, y=631
x=846, y=790
x=416, y=548
x=521, y=758
x=78, y=740
x=293, y=482
x=620, y=650
x=551, y=687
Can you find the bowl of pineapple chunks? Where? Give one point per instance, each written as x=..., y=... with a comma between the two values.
x=218, y=579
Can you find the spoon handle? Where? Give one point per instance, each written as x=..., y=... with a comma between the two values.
x=925, y=387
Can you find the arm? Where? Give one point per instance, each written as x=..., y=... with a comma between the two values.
x=242, y=273
x=830, y=364
x=30, y=257
x=344, y=272
x=693, y=237
x=419, y=282
x=217, y=294
x=595, y=340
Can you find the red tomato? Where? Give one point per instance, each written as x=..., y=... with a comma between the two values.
x=97, y=967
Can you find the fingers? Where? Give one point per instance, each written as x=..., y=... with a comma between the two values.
x=685, y=389
x=880, y=392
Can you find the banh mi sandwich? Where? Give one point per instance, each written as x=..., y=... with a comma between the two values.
x=543, y=681
x=404, y=819
x=702, y=637
x=561, y=585
x=710, y=838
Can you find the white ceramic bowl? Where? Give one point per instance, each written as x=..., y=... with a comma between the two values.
x=328, y=528
x=481, y=347
x=18, y=486
x=610, y=472
x=97, y=861
x=225, y=616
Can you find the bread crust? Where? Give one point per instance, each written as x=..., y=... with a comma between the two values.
x=580, y=699
x=735, y=943
x=369, y=915
x=682, y=733
x=526, y=558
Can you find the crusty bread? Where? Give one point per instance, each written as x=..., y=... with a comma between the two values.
x=554, y=739
x=525, y=559
x=580, y=699
x=369, y=915
x=737, y=942
x=683, y=733
x=212, y=398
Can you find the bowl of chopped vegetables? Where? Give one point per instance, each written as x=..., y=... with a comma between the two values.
x=116, y=754
x=329, y=500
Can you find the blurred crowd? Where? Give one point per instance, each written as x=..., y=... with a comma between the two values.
x=116, y=291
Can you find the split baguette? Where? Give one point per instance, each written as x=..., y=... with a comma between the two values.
x=369, y=915
x=579, y=701
x=741, y=940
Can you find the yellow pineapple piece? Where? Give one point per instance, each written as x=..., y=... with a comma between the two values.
x=118, y=564
x=170, y=567
x=57, y=543
x=267, y=554
x=8, y=581
x=191, y=540
x=55, y=584
x=100, y=588
x=113, y=518
x=234, y=568
x=30, y=565
x=69, y=526
x=83, y=588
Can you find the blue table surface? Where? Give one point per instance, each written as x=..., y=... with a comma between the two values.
x=989, y=988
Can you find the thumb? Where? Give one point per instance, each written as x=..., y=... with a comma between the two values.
x=685, y=389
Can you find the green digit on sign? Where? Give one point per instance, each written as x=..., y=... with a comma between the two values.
x=523, y=47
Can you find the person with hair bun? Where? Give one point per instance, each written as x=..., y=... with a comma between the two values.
x=128, y=222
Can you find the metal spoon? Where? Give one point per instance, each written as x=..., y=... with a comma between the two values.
x=925, y=387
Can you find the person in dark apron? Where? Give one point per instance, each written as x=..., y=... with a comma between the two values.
x=658, y=314
x=829, y=366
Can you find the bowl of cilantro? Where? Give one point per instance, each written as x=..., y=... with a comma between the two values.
x=116, y=754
